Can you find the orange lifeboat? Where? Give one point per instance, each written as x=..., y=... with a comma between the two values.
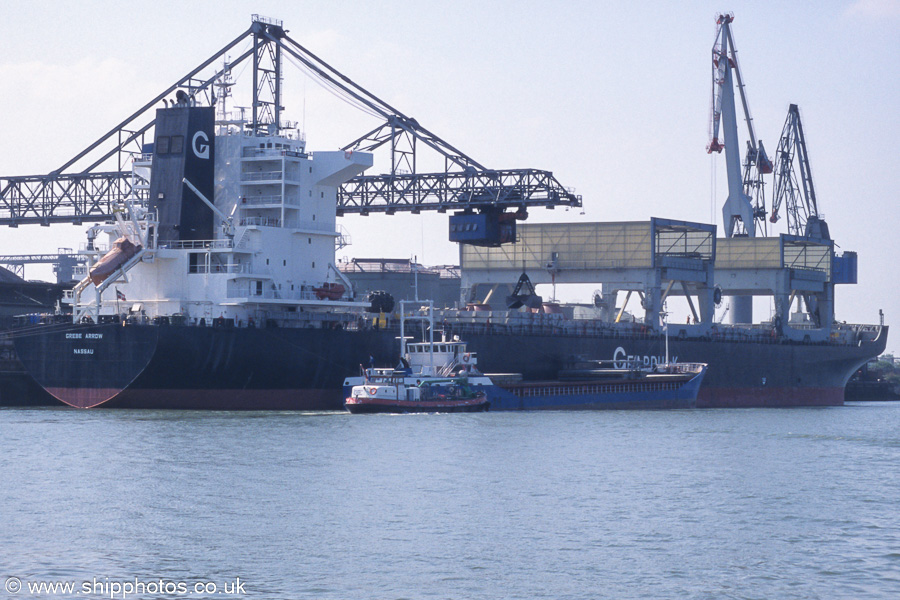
x=330, y=291
x=122, y=251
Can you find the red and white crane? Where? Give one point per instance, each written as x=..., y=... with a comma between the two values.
x=746, y=201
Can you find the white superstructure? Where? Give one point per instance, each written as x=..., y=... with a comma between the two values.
x=273, y=246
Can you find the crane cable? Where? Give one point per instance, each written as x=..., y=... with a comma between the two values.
x=331, y=88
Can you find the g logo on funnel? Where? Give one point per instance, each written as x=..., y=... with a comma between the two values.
x=200, y=144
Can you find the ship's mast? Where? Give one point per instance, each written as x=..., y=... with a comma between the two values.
x=266, y=75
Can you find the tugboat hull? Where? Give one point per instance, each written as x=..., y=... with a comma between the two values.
x=364, y=406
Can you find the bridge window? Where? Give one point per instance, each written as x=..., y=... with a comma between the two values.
x=162, y=144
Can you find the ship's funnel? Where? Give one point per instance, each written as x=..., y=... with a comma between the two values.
x=184, y=148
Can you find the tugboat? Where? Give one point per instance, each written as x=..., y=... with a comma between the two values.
x=390, y=393
x=432, y=377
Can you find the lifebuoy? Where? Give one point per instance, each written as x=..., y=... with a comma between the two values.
x=373, y=391
x=466, y=357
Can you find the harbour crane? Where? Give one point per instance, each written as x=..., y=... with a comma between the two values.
x=745, y=207
x=88, y=187
x=794, y=188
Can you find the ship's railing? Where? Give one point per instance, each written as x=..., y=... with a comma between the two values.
x=251, y=152
x=802, y=325
x=102, y=248
x=250, y=291
x=685, y=367
x=640, y=364
x=270, y=199
x=860, y=332
x=260, y=221
x=267, y=199
x=390, y=265
x=267, y=20
x=517, y=323
x=223, y=244
x=197, y=244
x=336, y=319
x=262, y=176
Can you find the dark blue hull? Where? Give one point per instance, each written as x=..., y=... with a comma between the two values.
x=272, y=368
x=597, y=395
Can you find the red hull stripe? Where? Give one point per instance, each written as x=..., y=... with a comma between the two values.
x=721, y=397
x=83, y=397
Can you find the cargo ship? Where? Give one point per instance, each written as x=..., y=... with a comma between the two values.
x=235, y=302
x=215, y=285
x=175, y=365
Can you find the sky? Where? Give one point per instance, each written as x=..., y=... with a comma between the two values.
x=612, y=97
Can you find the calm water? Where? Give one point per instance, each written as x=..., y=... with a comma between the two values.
x=791, y=503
